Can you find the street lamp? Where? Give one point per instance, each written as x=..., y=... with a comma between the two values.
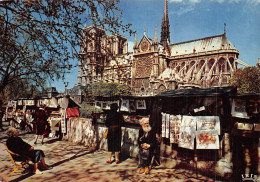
x=66, y=84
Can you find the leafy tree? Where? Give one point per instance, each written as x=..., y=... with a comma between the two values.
x=123, y=90
x=39, y=39
x=106, y=89
x=247, y=80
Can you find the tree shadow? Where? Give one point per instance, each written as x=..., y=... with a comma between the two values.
x=76, y=155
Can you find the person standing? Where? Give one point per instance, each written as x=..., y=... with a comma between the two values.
x=114, y=122
x=146, y=142
x=41, y=124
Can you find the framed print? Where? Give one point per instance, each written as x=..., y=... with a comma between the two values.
x=140, y=104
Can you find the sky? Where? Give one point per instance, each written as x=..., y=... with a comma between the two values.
x=190, y=20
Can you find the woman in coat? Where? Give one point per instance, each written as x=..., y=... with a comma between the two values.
x=15, y=144
x=114, y=122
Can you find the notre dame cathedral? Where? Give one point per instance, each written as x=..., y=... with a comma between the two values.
x=156, y=66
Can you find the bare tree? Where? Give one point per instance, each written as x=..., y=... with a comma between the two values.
x=39, y=39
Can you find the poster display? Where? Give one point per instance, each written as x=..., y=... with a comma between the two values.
x=163, y=124
x=184, y=129
x=207, y=140
x=98, y=104
x=63, y=120
x=208, y=129
x=140, y=104
x=167, y=126
x=124, y=105
x=239, y=109
x=187, y=132
x=174, y=128
x=106, y=105
x=132, y=105
x=208, y=123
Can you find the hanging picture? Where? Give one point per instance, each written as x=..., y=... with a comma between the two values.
x=163, y=124
x=205, y=140
x=187, y=132
x=177, y=128
x=113, y=102
x=208, y=123
x=124, y=105
x=239, y=109
x=186, y=138
x=132, y=105
x=167, y=125
x=106, y=105
x=98, y=104
x=174, y=129
x=20, y=102
x=140, y=104
x=63, y=125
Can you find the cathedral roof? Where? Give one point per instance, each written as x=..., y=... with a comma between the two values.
x=207, y=44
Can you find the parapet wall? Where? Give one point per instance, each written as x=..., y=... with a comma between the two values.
x=225, y=166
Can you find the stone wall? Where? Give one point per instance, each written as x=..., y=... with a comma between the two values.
x=227, y=166
x=83, y=131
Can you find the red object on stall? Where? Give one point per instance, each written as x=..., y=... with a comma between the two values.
x=72, y=112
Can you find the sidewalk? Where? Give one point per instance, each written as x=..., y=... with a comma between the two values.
x=73, y=162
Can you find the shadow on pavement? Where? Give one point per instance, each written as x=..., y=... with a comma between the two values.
x=73, y=157
x=22, y=177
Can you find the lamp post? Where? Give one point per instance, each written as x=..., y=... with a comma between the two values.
x=66, y=85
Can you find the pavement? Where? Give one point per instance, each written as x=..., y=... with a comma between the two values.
x=75, y=162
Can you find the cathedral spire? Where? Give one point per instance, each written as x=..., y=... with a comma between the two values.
x=165, y=27
x=155, y=35
x=135, y=43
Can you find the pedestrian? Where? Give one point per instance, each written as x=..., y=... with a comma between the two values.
x=146, y=142
x=41, y=124
x=114, y=122
x=15, y=144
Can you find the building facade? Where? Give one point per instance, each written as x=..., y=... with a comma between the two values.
x=156, y=66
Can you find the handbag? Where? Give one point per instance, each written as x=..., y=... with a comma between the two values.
x=105, y=134
x=145, y=153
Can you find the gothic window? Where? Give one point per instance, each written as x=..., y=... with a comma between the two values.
x=143, y=67
x=221, y=65
x=231, y=60
x=210, y=64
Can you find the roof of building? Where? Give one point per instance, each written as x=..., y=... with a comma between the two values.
x=197, y=92
x=213, y=43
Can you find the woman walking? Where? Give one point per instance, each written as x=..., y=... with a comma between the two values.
x=41, y=124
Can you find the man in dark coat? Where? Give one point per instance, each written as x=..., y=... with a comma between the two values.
x=146, y=141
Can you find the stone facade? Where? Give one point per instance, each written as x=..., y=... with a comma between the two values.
x=154, y=67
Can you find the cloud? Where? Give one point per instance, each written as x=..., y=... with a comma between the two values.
x=183, y=10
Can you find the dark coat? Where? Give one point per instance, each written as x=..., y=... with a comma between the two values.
x=18, y=146
x=41, y=122
x=150, y=139
x=114, y=122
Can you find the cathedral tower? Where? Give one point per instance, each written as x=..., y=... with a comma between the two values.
x=165, y=27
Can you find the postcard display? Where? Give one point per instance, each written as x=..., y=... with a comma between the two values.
x=128, y=105
x=182, y=130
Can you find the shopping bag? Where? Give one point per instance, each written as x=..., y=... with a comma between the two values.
x=105, y=134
